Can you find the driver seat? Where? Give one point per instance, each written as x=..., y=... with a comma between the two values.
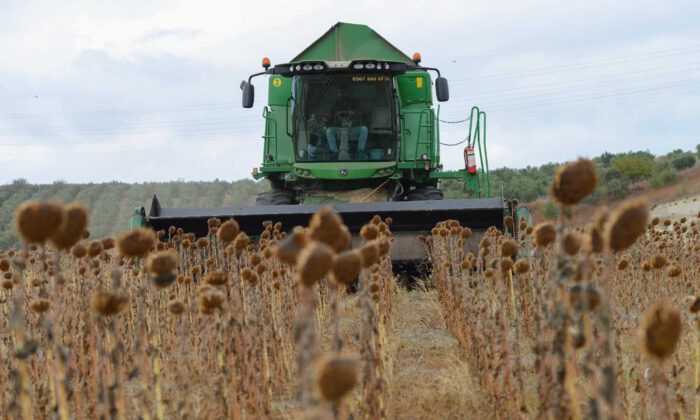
x=381, y=121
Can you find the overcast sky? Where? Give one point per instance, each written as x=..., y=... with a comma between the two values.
x=149, y=90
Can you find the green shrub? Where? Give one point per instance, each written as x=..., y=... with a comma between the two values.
x=676, y=153
x=550, y=210
x=615, y=188
x=684, y=161
x=663, y=178
x=636, y=166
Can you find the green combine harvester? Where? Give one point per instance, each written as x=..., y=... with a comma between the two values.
x=350, y=122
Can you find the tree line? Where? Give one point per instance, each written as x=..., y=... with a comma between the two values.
x=111, y=204
x=617, y=173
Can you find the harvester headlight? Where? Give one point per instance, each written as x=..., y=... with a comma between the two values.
x=318, y=66
x=291, y=68
x=424, y=156
x=298, y=67
x=308, y=67
x=358, y=66
x=370, y=66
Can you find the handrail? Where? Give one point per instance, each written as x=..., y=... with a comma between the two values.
x=286, y=107
x=436, y=144
x=430, y=126
x=433, y=144
x=473, y=136
x=487, y=179
x=266, y=115
x=477, y=140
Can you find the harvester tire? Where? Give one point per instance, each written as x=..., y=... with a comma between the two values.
x=276, y=197
x=424, y=193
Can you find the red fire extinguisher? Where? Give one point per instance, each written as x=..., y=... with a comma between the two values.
x=470, y=159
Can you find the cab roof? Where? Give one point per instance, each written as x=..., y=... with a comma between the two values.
x=349, y=42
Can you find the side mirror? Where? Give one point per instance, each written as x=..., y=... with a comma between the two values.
x=441, y=89
x=248, y=96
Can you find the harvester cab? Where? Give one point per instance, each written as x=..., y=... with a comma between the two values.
x=352, y=112
x=350, y=122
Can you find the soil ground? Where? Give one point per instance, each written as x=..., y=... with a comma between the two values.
x=429, y=380
x=674, y=210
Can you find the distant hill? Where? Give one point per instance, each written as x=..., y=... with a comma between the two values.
x=676, y=199
x=662, y=178
x=619, y=174
x=111, y=204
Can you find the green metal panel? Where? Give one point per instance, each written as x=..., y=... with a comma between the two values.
x=418, y=122
x=347, y=42
x=277, y=143
x=349, y=170
x=415, y=87
x=277, y=169
x=279, y=90
x=471, y=181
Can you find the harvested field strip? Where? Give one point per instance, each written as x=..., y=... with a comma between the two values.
x=429, y=376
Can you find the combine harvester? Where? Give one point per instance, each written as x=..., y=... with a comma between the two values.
x=350, y=123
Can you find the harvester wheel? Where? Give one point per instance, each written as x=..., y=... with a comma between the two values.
x=424, y=193
x=276, y=197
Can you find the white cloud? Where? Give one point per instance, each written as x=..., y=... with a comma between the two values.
x=171, y=72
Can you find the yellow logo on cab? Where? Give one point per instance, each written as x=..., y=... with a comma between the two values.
x=419, y=82
x=276, y=82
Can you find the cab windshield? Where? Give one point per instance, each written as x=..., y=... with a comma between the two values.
x=343, y=118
